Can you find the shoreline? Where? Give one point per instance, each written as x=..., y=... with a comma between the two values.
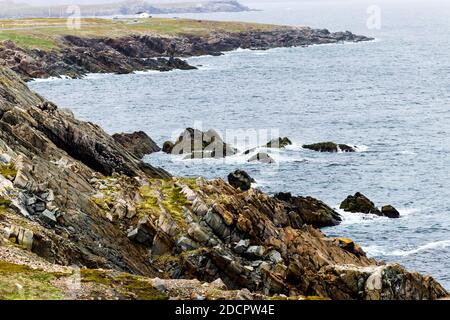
x=77, y=55
x=71, y=194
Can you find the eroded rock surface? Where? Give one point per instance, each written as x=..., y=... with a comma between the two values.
x=112, y=212
x=196, y=144
x=137, y=143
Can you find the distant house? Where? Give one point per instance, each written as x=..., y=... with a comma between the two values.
x=143, y=15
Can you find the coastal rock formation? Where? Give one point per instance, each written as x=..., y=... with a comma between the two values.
x=137, y=143
x=139, y=233
x=377, y=283
x=308, y=211
x=76, y=56
x=278, y=143
x=329, y=147
x=240, y=180
x=390, y=212
x=360, y=203
x=198, y=144
x=261, y=157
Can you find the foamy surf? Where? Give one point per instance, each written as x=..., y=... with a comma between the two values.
x=376, y=250
x=51, y=79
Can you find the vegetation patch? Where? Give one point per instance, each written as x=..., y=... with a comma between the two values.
x=8, y=171
x=149, y=203
x=19, y=282
x=174, y=202
x=127, y=286
x=4, y=203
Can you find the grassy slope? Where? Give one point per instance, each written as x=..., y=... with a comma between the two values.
x=45, y=33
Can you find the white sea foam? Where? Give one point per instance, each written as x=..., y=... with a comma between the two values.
x=350, y=218
x=376, y=250
x=50, y=79
x=361, y=148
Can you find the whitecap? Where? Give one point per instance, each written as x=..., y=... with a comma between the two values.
x=350, y=218
x=50, y=79
x=437, y=245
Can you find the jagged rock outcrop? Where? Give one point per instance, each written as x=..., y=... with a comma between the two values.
x=329, y=147
x=122, y=216
x=196, y=144
x=307, y=210
x=240, y=180
x=77, y=56
x=360, y=203
x=137, y=143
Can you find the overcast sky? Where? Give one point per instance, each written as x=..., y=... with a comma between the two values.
x=53, y=2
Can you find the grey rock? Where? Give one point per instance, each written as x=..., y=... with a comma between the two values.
x=48, y=217
x=241, y=246
x=261, y=157
x=255, y=252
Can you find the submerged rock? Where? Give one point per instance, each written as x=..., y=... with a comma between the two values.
x=261, y=157
x=279, y=143
x=240, y=180
x=137, y=143
x=329, y=147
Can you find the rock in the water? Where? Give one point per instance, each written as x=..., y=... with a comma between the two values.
x=137, y=143
x=307, y=210
x=329, y=147
x=390, y=212
x=240, y=180
x=198, y=144
x=168, y=147
x=261, y=157
x=279, y=143
x=359, y=203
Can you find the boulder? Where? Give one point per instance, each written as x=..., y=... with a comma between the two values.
x=279, y=143
x=307, y=210
x=329, y=147
x=240, y=180
x=168, y=147
x=199, y=144
x=261, y=157
x=137, y=143
x=390, y=212
x=359, y=203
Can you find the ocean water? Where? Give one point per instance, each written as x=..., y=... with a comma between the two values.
x=389, y=97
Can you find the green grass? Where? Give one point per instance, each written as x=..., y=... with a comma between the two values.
x=149, y=203
x=28, y=41
x=22, y=283
x=8, y=170
x=126, y=285
x=46, y=34
x=174, y=201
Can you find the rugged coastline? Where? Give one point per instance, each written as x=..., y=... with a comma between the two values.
x=73, y=55
x=70, y=194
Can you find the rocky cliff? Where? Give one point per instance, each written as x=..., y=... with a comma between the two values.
x=76, y=56
x=71, y=195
